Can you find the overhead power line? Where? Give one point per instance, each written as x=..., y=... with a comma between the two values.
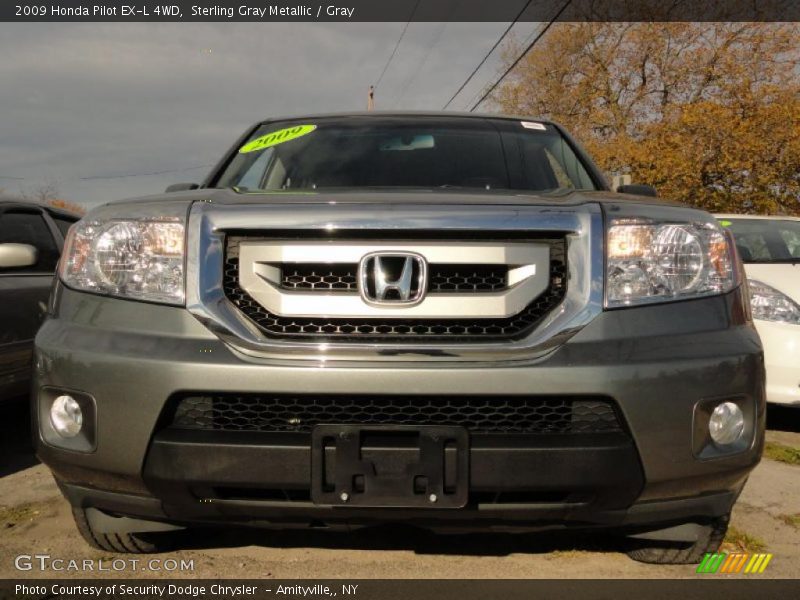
x=488, y=54
x=407, y=85
x=149, y=174
x=520, y=57
x=397, y=45
x=121, y=176
x=474, y=97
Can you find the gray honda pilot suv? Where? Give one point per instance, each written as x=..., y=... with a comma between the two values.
x=437, y=319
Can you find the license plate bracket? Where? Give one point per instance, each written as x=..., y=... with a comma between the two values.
x=350, y=466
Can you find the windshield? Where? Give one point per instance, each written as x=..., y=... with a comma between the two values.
x=380, y=152
x=766, y=240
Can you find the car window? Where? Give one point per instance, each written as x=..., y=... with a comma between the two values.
x=395, y=152
x=558, y=170
x=251, y=178
x=765, y=240
x=27, y=227
x=755, y=246
x=792, y=239
x=550, y=164
x=63, y=224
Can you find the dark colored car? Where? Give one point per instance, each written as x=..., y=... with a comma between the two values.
x=31, y=238
x=438, y=319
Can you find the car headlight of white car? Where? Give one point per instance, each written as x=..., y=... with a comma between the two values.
x=768, y=304
x=139, y=258
x=650, y=262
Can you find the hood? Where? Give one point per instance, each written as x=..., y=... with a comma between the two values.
x=401, y=196
x=783, y=277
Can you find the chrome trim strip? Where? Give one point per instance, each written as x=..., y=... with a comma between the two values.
x=206, y=254
x=351, y=252
x=260, y=279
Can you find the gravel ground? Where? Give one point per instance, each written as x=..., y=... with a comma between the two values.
x=34, y=519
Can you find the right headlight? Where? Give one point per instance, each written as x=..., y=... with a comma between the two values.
x=768, y=304
x=140, y=258
x=651, y=262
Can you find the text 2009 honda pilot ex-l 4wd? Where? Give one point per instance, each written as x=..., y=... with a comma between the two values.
x=443, y=320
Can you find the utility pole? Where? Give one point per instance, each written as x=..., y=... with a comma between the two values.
x=371, y=98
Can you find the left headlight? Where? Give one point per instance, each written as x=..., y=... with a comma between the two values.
x=659, y=262
x=140, y=259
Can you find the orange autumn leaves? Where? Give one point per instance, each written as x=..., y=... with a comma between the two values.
x=708, y=113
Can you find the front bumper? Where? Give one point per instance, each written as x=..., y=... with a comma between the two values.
x=657, y=363
x=782, y=357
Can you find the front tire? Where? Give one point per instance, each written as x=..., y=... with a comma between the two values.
x=122, y=542
x=672, y=553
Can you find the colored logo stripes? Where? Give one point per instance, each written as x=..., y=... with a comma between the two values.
x=735, y=562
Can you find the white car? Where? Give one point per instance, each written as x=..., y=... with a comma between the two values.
x=770, y=250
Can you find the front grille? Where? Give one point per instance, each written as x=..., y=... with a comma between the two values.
x=319, y=278
x=467, y=278
x=441, y=278
x=479, y=414
x=397, y=330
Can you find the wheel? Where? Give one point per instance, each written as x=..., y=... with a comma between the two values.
x=675, y=553
x=123, y=540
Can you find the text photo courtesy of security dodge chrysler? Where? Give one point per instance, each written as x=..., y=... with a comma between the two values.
x=436, y=319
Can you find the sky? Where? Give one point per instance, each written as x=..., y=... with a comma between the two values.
x=85, y=105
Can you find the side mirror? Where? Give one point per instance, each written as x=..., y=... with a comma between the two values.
x=181, y=187
x=18, y=255
x=638, y=189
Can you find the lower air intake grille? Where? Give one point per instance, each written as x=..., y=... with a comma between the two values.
x=479, y=414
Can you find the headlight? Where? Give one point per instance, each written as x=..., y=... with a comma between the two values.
x=658, y=262
x=141, y=258
x=768, y=304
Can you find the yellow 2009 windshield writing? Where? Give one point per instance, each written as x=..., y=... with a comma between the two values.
x=277, y=137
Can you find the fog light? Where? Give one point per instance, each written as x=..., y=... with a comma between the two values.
x=66, y=416
x=726, y=424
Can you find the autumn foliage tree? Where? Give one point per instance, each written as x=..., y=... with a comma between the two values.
x=68, y=206
x=709, y=113
x=47, y=194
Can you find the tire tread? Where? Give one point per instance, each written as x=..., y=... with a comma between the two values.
x=686, y=554
x=123, y=543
